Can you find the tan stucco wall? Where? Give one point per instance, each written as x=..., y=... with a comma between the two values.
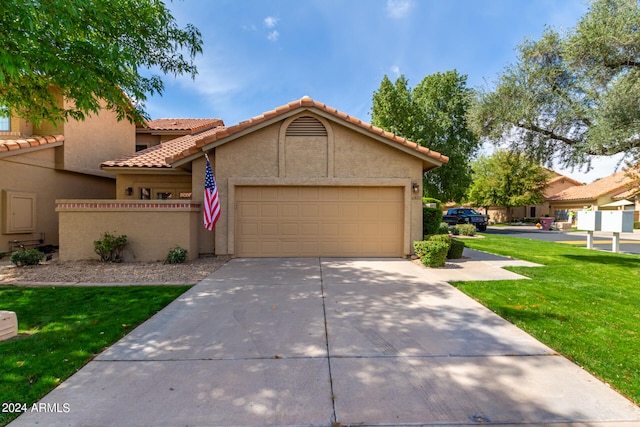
x=34, y=172
x=175, y=183
x=151, y=227
x=344, y=157
x=96, y=139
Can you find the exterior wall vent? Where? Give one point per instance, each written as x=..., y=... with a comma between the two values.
x=306, y=126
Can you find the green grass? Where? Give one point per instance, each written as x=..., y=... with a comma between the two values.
x=62, y=328
x=583, y=303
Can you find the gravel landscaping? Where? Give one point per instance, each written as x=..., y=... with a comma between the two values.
x=93, y=271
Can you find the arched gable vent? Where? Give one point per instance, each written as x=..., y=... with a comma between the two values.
x=306, y=126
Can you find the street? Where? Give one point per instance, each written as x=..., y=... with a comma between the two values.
x=629, y=242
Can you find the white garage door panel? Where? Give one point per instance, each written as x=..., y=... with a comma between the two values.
x=319, y=221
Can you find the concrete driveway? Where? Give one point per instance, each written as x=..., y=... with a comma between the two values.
x=321, y=342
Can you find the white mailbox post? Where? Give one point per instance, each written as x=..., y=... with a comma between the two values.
x=590, y=221
x=617, y=222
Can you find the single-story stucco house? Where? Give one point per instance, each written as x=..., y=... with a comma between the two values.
x=616, y=191
x=303, y=179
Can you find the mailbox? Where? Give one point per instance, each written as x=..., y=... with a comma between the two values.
x=590, y=220
x=617, y=221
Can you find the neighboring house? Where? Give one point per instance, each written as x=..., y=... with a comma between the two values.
x=556, y=184
x=301, y=180
x=39, y=164
x=617, y=190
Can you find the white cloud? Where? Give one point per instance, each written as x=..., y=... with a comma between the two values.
x=270, y=21
x=399, y=8
x=273, y=36
x=395, y=69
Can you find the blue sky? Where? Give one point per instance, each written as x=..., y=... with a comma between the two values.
x=260, y=54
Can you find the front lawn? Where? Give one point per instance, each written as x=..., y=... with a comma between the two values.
x=583, y=303
x=62, y=328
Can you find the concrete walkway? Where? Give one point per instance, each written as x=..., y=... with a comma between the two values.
x=322, y=342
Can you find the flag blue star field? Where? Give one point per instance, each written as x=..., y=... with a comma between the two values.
x=211, y=199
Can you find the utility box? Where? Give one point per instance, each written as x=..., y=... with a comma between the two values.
x=590, y=220
x=617, y=221
x=8, y=325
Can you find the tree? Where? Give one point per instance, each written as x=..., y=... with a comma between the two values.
x=88, y=52
x=433, y=115
x=507, y=179
x=571, y=95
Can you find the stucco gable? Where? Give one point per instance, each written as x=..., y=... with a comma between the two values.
x=224, y=135
x=183, y=150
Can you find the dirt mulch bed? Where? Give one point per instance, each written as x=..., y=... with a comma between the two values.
x=97, y=272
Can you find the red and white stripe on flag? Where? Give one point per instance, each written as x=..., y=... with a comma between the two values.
x=211, y=199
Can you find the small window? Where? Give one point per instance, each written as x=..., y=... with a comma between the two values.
x=140, y=147
x=164, y=195
x=5, y=124
x=145, y=193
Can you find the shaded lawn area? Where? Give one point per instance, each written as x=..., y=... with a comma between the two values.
x=583, y=303
x=62, y=328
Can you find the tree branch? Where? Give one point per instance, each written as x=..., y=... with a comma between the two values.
x=548, y=133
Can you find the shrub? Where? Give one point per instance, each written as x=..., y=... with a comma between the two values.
x=432, y=253
x=456, y=249
x=177, y=255
x=439, y=237
x=636, y=225
x=26, y=257
x=431, y=219
x=110, y=247
x=464, y=230
x=444, y=228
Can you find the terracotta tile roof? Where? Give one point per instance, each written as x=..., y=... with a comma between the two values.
x=155, y=156
x=191, y=125
x=303, y=103
x=16, y=144
x=163, y=155
x=617, y=182
x=626, y=194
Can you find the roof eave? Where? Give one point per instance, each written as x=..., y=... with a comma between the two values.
x=144, y=170
x=429, y=162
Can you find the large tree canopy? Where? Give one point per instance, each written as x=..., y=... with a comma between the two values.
x=507, y=179
x=433, y=115
x=571, y=95
x=88, y=51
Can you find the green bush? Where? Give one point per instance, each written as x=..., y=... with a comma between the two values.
x=431, y=219
x=455, y=250
x=110, y=247
x=177, y=255
x=432, y=253
x=444, y=228
x=433, y=250
x=26, y=257
x=439, y=237
x=636, y=225
x=464, y=230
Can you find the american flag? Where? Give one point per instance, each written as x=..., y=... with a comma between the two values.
x=211, y=199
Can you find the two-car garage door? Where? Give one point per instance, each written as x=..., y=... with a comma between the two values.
x=319, y=221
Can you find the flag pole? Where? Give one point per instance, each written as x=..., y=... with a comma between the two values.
x=207, y=156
